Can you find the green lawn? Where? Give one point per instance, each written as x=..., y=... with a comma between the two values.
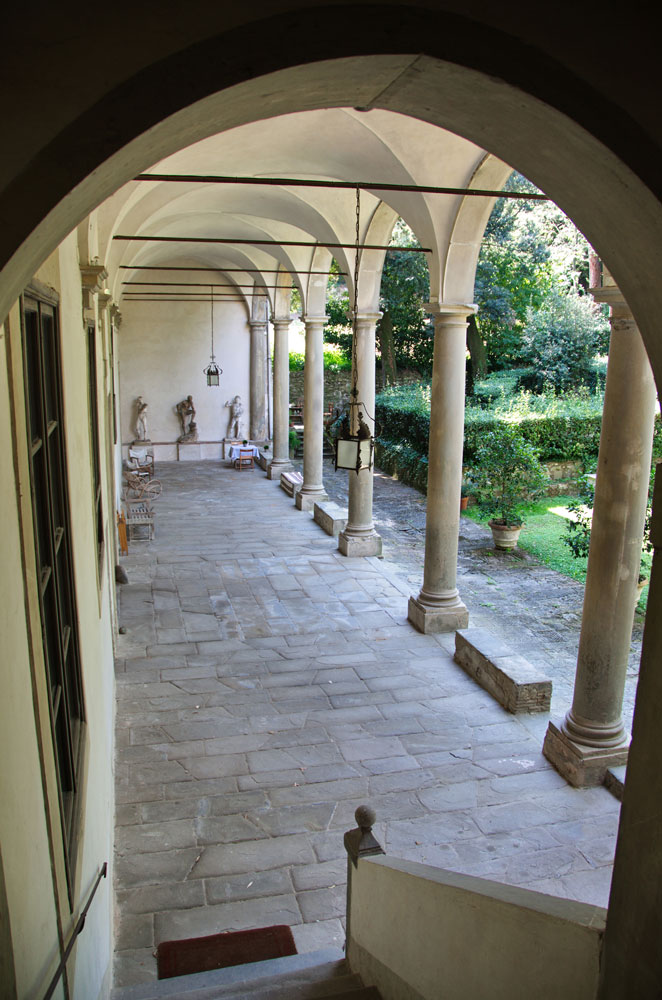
x=542, y=536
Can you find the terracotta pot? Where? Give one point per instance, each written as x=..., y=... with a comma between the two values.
x=505, y=536
x=463, y=503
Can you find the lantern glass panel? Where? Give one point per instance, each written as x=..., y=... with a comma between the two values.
x=365, y=451
x=347, y=453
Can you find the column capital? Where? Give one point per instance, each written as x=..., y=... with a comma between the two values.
x=258, y=322
x=281, y=320
x=368, y=317
x=457, y=310
x=613, y=296
x=315, y=319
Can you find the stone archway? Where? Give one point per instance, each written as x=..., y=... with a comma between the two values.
x=183, y=82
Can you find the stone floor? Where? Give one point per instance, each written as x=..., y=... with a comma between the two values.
x=267, y=686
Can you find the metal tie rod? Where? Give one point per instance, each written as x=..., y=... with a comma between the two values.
x=210, y=284
x=347, y=185
x=223, y=270
x=276, y=243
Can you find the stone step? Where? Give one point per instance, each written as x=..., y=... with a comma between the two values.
x=615, y=781
x=506, y=675
x=330, y=516
x=310, y=976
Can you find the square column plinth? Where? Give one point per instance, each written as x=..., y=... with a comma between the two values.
x=444, y=618
x=360, y=545
x=581, y=766
x=275, y=468
x=307, y=501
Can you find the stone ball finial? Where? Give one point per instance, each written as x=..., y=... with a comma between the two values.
x=365, y=817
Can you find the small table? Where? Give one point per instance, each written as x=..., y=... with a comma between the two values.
x=235, y=450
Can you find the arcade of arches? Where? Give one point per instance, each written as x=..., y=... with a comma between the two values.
x=105, y=296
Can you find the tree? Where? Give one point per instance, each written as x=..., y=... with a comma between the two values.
x=405, y=287
x=506, y=473
x=561, y=339
x=404, y=333
x=529, y=249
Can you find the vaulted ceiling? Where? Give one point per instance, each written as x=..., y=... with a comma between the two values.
x=335, y=144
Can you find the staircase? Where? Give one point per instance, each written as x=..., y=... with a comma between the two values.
x=311, y=976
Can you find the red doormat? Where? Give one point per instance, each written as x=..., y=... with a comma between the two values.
x=218, y=951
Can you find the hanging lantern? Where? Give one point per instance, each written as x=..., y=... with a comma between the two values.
x=355, y=451
x=212, y=371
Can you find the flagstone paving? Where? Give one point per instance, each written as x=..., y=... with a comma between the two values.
x=267, y=686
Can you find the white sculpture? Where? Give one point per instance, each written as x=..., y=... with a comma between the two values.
x=141, y=419
x=236, y=411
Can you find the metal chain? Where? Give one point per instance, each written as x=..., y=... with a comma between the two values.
x=211, y=288
x=355, y=389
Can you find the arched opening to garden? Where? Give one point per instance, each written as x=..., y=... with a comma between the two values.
x=568, y=163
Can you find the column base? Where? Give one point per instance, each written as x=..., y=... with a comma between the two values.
x=437, y=618
x=581, y=766
x=369, y=544
x=276, y=466
x=306, y=501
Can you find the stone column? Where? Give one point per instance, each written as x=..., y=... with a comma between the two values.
x=359, y=537
x=313, y=412
x=631, y=963
x=592, y=737
x=280, y=461
x=438, y=607
x=258, y=388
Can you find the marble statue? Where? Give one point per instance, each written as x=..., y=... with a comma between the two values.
x=186, y=413
x=141, y=420
x=236, y=411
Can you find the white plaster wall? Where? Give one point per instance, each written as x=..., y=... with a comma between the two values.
x=23, y=831
x=94, y=951
x=419, y=933
x=162, y=351
x=34, y=873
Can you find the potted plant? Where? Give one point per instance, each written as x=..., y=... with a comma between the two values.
x=464, y=497
x=506, y=474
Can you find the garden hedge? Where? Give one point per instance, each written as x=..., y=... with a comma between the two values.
x=557, y=438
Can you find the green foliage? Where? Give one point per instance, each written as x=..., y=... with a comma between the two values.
x=529, y=249
x=404, y=288
x=506, y=473
x=559, y=427
x=334, y=361
x=578, y=531
x=401, y=460
x=403, y=416
x=499, y=385
x=561, y=339
x=577, y=534
x=293, y=440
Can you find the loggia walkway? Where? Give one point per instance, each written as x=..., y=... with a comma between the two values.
x=267, y=686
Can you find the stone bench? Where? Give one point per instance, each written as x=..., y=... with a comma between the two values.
x=506, y=675
x=291, y=482
x=330, y=516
